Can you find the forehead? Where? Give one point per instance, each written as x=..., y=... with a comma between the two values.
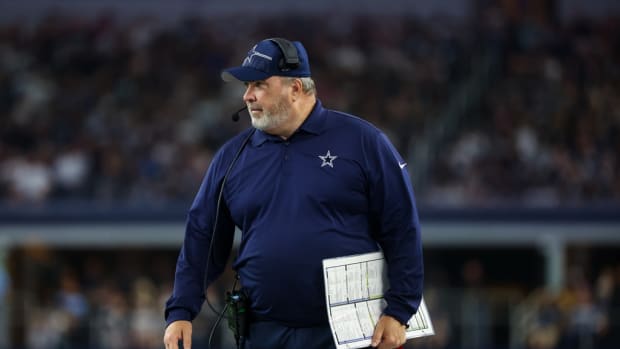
x=271, y=81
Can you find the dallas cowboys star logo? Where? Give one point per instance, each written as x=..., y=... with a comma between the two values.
x=328, y=159
x=248, y=60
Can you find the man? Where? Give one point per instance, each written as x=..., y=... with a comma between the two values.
x=304, y=184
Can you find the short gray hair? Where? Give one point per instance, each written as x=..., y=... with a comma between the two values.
x=307, y=84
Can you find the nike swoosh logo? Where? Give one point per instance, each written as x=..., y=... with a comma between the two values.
x=402, y=164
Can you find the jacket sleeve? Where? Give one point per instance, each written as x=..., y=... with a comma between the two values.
x=189, y=294
x=394, y=219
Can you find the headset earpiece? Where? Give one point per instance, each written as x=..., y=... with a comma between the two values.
x=290, y=59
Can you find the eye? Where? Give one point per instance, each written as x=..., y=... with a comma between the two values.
x=254, y=84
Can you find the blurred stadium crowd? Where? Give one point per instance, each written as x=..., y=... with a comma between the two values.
x=546, y=132
x=105, y=110
x=114, y=300
x=100, y=109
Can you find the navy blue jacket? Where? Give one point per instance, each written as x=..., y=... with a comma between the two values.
x=336, y=187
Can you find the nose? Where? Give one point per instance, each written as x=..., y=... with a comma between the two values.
x=248, y=96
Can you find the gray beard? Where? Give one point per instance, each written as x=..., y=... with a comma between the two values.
x=273, y=118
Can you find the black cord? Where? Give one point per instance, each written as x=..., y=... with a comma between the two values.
x=217, y=323
x=217, y=215
x=220, y=316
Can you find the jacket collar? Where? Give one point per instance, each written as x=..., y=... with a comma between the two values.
x=314, y=124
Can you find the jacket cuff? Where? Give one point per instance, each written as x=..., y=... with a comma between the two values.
x=401, y=316
x=176, y=315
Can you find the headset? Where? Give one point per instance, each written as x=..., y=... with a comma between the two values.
x=235, y=299
x=290, y=57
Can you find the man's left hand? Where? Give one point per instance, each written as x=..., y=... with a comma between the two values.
x=389, y=333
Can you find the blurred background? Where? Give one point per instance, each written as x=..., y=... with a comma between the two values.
x=507, y=112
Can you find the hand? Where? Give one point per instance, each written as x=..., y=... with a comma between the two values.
x=389, y=333
x=178, y=330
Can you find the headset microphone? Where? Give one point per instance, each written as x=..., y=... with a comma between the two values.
x=235, y=116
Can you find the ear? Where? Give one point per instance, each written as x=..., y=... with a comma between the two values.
x=296, y=88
